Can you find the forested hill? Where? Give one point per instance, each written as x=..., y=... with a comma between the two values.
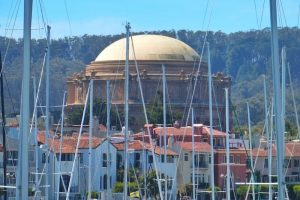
x=245, y=56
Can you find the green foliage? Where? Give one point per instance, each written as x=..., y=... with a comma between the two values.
x=296, y=190
x=94, y=194
x=187, y=190
x=155, y=111
x=245, y=56
x=218, y=189
x=30, y=192
x=119, y=186
x=99, y=109
x=241, y=191
x=1, y=191
x=152, y=186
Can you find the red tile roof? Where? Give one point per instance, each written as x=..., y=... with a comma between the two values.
x=202, y=147
x=198, y=130
x=291, y=149
x=232, y=150
x=138, y=145
x=69, y=142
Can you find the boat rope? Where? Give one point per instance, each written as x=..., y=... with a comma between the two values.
x=193, y=92
x=78, y=142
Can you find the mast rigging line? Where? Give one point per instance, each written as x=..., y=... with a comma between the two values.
x=9, y=40
x=296, y=115
x=194, y=65
x=78, y=142
x=38, y=92
x=113, y=91
x=194, y=89
x=47, y=154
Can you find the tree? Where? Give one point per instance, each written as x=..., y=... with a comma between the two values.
x=241, y=191
x=152, y=186
x=296, y=190
x=99, y=109
x=119, y=187
x=155, y=111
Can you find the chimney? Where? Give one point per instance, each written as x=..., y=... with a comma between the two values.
x=151, y=127
x=171, y=141
x=176, y=124
x=96, y=132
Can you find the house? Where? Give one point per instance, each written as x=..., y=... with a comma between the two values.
x=62, y=171
x=291, y=164
x=141, y=158
x=185, y=166
x=238, y=166
x=181, y=142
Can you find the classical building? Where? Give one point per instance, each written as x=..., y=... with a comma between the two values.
x=151, y=52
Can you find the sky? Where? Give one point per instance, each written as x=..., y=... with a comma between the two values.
x=69, y=18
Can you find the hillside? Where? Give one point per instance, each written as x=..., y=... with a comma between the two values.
x=245, y=56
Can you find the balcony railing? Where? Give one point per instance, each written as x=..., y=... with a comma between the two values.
x=201, y=165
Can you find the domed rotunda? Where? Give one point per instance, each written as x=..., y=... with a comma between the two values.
x=150, y=53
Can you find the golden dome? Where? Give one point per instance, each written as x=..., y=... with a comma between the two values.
x=149, y=47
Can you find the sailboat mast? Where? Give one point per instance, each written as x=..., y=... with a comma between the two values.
x=48, y=173
x=126, y=110
x=251, y=156
x=3, y=128
x=294, y=102
x=283, y=82
x=277, y=99
x=22, y=175
x=60, y=144
x=36, y=148
x=108, y=138
x=227, y=145
x=90, y=138
x=269, y=140
x=165, y=127
x=212, y=173
x=193, y=155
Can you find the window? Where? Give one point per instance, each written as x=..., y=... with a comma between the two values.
x=105, y=182
x=66, y=180
x=12, y=158
x=231, y=159
x=100, y=182
x=150, y=159
x=287, y=163
x=81, y=158
x=170, y=159
x=238, y=159
x=186, y=157
x=266, y=164
x=43, y=157
x=162, y=158
x=66, y=157
x=224, y=159
x=137, y=159
x=296, y=176
x=200, y=161
x=104, y=160
x=296, y=163
x=218, y=142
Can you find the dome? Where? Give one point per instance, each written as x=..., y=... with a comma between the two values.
x=149, y=47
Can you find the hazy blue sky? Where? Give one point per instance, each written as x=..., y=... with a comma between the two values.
x=109, y=16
